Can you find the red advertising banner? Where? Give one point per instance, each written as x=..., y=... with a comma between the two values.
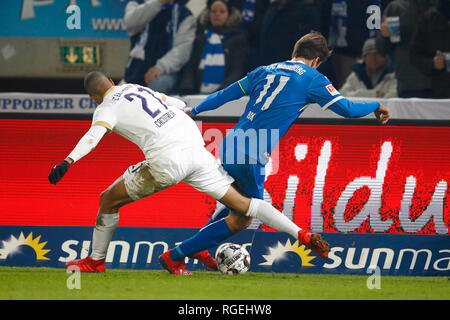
x=330, y=178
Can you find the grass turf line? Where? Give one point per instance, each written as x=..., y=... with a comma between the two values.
x=49, y=283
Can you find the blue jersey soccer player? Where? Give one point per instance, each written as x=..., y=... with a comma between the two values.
x=278, y=94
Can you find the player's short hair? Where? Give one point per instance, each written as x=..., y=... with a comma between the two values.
x=311, y=46
x=94, y=83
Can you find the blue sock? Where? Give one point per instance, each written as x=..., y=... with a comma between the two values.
x=208, y=237
x=176, y=254
x=217, y=215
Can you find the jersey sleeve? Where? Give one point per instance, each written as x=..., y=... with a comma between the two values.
x=322, y=92
x=88, y=142
x=104, y=116
x=174, y=102
x=244, y=84
x=232, y=92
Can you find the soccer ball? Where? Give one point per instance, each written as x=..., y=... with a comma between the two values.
x=232, y=259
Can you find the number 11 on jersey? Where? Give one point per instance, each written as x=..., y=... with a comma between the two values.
x=270, y=78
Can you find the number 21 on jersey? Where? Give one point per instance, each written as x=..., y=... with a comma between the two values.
x=153, y=114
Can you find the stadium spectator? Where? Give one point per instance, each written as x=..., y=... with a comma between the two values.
x=430, y=44
x=373, y=78
x=284, y=22
x=410, y=81
x=162, y=34
x=347, y=33
x=219, y=52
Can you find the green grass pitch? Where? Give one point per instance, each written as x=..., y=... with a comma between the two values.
x=47, y=283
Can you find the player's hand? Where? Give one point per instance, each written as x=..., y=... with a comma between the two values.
x=58, y=172
x=382, y=114
x=152, y=73
x=188, y=111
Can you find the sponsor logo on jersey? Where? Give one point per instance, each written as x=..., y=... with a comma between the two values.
x=332, y=90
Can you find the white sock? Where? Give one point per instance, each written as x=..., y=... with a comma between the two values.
x=270, y=216
x=103, y=231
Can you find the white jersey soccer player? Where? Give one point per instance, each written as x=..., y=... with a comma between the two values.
x=174, y=152
x=173, y=148
x=170, y=140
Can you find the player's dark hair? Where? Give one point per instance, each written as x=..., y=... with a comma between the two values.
x=94, y=83
x=311, y=46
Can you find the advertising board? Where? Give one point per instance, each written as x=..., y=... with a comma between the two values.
x=326, y=178
x=63, y=19
x=139, y=248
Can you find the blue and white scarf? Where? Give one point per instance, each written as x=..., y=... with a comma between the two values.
x=212, y=63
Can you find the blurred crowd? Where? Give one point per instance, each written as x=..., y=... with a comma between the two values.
x=400, y=50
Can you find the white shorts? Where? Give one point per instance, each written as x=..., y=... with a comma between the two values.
x=195, y=166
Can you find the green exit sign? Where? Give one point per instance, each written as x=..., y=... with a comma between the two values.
x=80, y=55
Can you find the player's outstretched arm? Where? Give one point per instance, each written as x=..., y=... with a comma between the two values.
x=88, y=142
x=349, y=109
x=321, y=91
x=233, y=92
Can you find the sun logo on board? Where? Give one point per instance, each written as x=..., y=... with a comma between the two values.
x=13, y=245
x=279, y=252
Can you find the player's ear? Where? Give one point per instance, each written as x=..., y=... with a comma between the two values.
x=94, y=98
x=316, y=62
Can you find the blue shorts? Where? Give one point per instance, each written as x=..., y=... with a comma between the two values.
x=249, y=178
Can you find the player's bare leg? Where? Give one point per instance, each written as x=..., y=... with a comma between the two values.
x=114, y=197
x=111, y=200
x=237, y=222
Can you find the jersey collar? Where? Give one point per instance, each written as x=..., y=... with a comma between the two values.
x=297, y=61
x=108, y=91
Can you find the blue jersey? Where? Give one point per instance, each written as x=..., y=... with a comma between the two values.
x=278, y=94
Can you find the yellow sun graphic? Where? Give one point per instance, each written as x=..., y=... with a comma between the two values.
x=14, y=243
x=279, y=251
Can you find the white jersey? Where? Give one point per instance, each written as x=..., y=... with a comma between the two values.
x=147, y=118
